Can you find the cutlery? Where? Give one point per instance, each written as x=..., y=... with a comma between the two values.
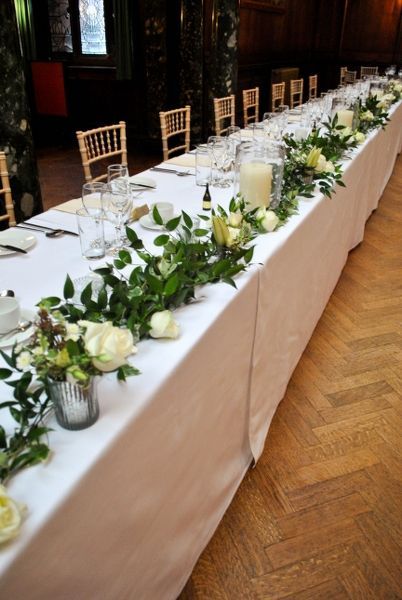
x=13, y=248
x=143, y=185
x=22, y=326
x=173, y=171
x=44, y=228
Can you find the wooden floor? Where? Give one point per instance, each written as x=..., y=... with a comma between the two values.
x=320, y=517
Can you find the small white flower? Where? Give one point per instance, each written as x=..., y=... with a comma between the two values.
x=72, y=332
x=163, y=325
x=24, y=361
x=329, y=167
x=37, y=351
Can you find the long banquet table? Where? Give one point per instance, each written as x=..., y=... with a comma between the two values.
x=124, y=509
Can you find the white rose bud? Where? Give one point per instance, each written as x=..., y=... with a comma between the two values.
x=329, y=167
x=359, y=137
x=11, y=515
x=260, y=214
x=235, y=219
x=111, y=344
x=270, y=221
x=163, y=325
x=321, y=164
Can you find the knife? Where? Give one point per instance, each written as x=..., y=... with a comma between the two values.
x=143, y=185
x=13, y=248
x=35, y=227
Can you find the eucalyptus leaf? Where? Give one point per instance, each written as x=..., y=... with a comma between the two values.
x=68, y=291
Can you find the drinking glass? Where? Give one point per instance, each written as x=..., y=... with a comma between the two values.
x=90, y=228
x=219, y=151
x=116, y=201
x=118, y=179
x=92, y=195
x=273, y=125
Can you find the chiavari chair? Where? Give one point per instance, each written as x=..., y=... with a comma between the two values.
x=102, y=144
x=278, y=95
x=5, y=192
x=312, y=86
x=175, y=123
x=296, y=92
x=251, y=105
x=342, y=75
x=224, y=109
x=350, y=76
x=368, y=71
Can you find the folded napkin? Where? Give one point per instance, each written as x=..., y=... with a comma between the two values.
x=183, y=160
x=71, y=206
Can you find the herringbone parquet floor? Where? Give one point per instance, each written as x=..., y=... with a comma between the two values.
x=320, y=517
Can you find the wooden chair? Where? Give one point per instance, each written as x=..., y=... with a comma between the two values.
x=278, y=95
x=342, y=75
x=5, y=192
x=175, y=123
x=224, y=109
x=296, y=92
x=350, y=76
x=100, y=144
x=367, y=71
x=251, y=102
x=312, y=86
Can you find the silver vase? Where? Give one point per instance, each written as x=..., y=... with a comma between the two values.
x=76, y=407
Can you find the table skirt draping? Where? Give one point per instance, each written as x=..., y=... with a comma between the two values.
x=124, y=509
x=300, y=274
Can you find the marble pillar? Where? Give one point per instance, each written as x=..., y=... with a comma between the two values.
x=220, y=77
x=15, y=131
x=191, y=63
x=155, y=59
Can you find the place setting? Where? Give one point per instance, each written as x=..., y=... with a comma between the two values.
x=13, y=242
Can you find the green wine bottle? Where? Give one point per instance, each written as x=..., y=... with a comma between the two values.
x=206, y=201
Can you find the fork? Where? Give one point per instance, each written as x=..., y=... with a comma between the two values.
x=173, y=171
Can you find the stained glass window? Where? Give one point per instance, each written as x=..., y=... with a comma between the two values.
x=60, y=25
x=92, y=24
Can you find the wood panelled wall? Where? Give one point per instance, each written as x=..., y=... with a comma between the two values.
x=317, y=36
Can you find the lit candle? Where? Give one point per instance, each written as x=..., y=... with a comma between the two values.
x=256, y=183
x=345, y=118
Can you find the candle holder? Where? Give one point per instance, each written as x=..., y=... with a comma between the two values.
x=75, y=407
x=347, y=113
x=259, y=173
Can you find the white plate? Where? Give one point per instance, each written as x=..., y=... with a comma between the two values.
x=148, y=223
x=142, y=181
x=26, y=315
x=16, y=237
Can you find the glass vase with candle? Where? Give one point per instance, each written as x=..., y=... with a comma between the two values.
x=259, y=173
x=345, y=112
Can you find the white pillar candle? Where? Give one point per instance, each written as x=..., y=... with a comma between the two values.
x=377, y=93
x=255, y=183
x=345, y=118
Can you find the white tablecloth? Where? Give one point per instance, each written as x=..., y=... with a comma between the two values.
x=124, y=508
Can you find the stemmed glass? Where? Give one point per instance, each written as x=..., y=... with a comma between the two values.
x=116, y=201
x=219, y=151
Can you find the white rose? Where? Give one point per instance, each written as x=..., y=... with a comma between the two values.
x=11, y=515
x=367, y=115
x=359, y=137
x=235, y=219
x=270, y=221
x=108, y=345
x=329, y=167
x=260, y=214
x=321, y=164
x=398, y=87
x=163, y=325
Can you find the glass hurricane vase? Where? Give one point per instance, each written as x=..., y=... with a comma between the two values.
x=76, y=407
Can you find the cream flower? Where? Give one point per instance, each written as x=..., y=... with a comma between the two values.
x=235, y=219
x=24, y=361
x=321, y=164
x=359, y=137
x=270, y=221
x=367, y=115
x=11, y=515
x=72, y=332
x=109, y=346
x=163, y=325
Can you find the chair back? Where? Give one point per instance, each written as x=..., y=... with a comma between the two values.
x=278, y=95
x=103, y=143
x=312, y=86
x=350, y=76
x=175, y=123
x=224, y=109
x=251, y=105
x=342, y=74
x=367, y=71
x=5, y=193
x=296, y=92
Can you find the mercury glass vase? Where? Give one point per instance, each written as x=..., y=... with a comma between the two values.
x=76, y=407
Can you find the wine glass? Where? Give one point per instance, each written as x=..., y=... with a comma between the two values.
x=91, y=196
x=116, y=201
x=219, y=151
x=118, y=179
